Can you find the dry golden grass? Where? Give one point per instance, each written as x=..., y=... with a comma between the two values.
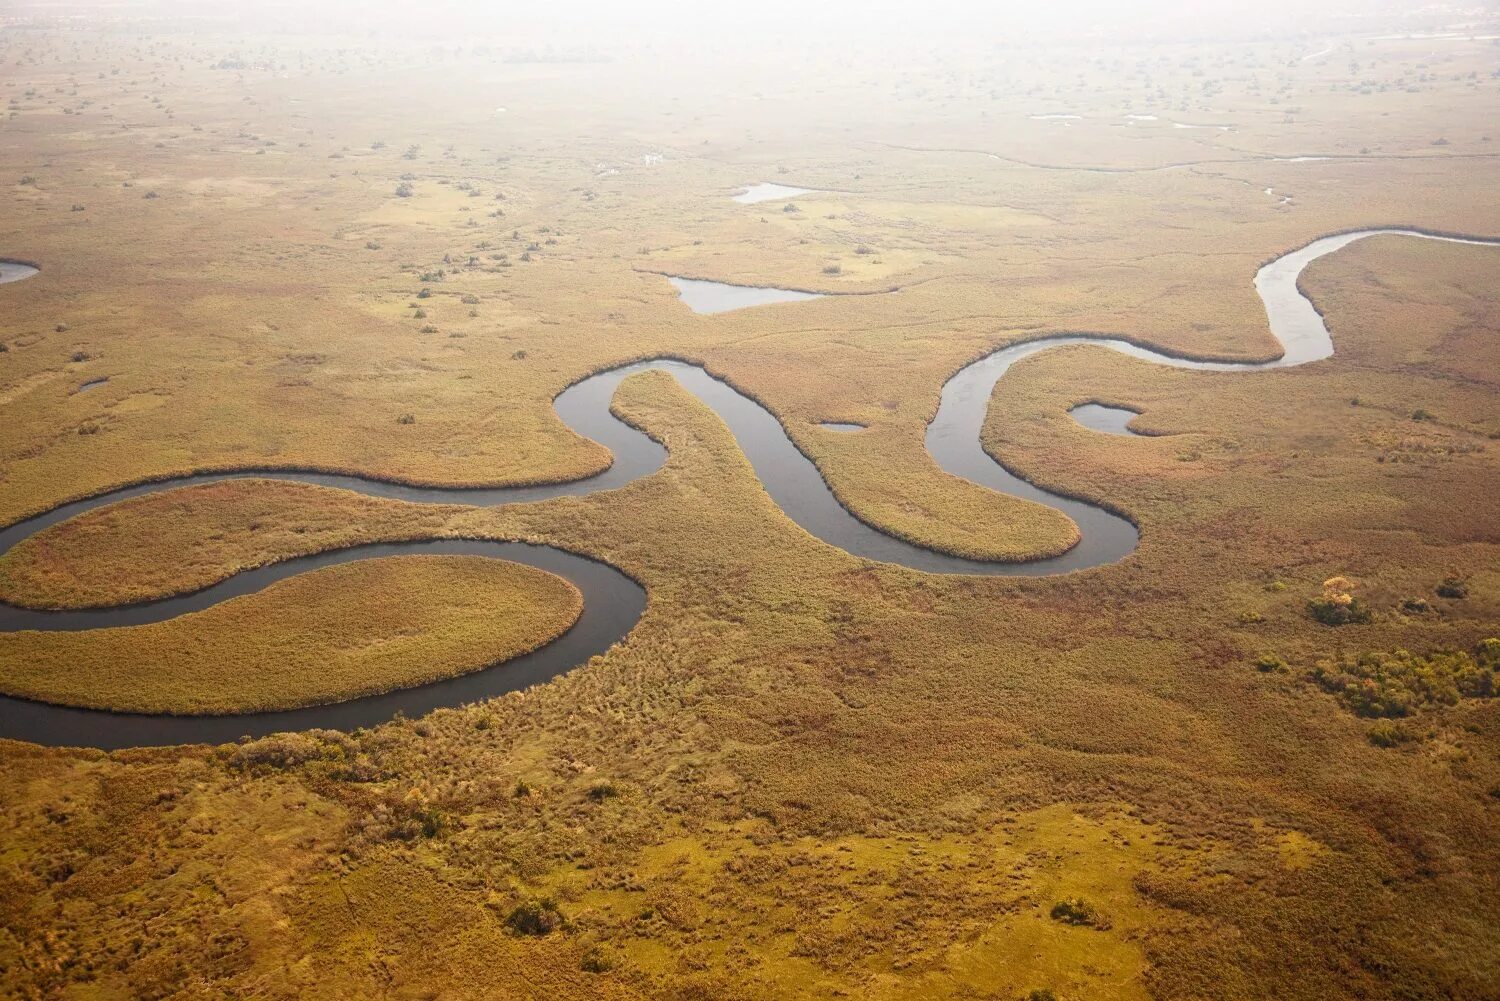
x=186, y=539
x=324, y=636
x=982, y=748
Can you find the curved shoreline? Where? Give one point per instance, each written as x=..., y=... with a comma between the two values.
x=953, y=438
x=13, y=270
x=612, y=604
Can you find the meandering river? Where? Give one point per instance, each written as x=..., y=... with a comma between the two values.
x=612, y=602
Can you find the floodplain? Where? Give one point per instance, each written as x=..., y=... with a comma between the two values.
x=930, y=562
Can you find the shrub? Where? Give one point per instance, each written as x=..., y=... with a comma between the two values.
x=406, y=419
x=1335, y=613
x=283, y=751
x=597, y=960
x=1077, y=911
x=1269, y=663
x=404, y=190
x=833, y=269
x=432, y=822
x=1453, y=586
x=1384, y=733
x=601, y=791
x=1337, y=606
x=539, y=917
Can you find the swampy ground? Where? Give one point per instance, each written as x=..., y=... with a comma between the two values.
x=802, y=774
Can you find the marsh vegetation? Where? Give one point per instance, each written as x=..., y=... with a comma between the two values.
x=1255, y=758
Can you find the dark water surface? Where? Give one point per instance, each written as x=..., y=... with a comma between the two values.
x=612, y=602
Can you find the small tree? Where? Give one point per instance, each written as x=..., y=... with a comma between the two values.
x=1337, y=606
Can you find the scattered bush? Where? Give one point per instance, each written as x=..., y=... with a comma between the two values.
x=539, y=917
x=1269, y=663
x=1453, y=586
x=406, y=419
x=833, y=269
x=404, y=190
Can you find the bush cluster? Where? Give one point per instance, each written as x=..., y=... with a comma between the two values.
x=1390, y=685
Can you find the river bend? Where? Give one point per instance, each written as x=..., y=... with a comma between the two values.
x=612, y=602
